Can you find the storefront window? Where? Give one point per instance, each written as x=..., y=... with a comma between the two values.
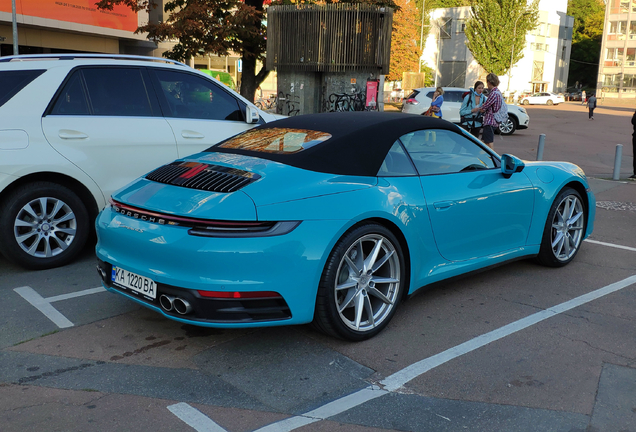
x=610, y=83
x=629, y=80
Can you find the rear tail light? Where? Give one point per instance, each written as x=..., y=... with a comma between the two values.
x=412, y=101
x=208, y=227
x=240, y=295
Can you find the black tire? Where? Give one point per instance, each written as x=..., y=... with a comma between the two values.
x=509, y=126
x=564, y=229
x=335, y=312
x=35, y=242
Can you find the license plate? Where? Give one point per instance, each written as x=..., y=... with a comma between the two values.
x=134, y=282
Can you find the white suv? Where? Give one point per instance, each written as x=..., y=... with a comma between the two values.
x=77, y=127
x=421, y=99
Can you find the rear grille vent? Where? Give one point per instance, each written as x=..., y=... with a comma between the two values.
x=194, y=175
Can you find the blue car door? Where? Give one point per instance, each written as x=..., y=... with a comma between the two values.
x=474, y=210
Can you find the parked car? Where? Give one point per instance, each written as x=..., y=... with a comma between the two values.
x=332, y=219
x=542, y=98
x=420, y=99
x=77, y=127
x=574, y=96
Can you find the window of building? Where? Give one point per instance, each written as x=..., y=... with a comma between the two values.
x=461, y=26
x=613, y=56
x=617, y=30
x=629, y=80
x=632, y=29
x=610, y=82
x=537, y=71
x=630, y=57
x=445, y=27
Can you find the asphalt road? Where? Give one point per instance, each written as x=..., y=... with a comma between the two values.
x=516, y=348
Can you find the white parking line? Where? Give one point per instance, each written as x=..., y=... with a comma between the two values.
x=194, y=418
x=611, y=245
x=44, y=304
x=400, y=378
x=328, y=410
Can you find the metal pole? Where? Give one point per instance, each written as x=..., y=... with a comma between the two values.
x=540, y=147
x=381, y=94
x=14, y=20
x=617, y=162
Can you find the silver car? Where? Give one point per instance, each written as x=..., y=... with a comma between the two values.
x=420, y=99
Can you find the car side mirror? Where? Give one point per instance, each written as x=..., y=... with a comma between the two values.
x=511, y=164
x=251, y=114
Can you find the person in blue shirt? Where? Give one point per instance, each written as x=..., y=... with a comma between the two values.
x=436, y=105
x=471, y=117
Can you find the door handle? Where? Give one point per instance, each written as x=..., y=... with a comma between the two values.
x=192, y=134
x=443, y=205
x=71, y=134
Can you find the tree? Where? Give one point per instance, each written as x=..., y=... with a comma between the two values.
x=405, y=39
x=496, y=32
x=209, y=26
x=587, y=33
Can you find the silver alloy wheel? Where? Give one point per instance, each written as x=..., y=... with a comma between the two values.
x=45, y=227
x=506, y=126
x=567, y=228
x=367, y=282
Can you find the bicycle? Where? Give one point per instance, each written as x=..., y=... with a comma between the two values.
x=266, y=104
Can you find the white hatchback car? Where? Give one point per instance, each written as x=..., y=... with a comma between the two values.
x=420, y=99
x=543, y=98
x=77, y=127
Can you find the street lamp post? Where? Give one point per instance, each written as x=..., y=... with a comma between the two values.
x=14, y=22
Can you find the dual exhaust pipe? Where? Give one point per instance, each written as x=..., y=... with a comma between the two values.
x=179, y=305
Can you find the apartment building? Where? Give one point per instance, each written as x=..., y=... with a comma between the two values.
x=617, y=68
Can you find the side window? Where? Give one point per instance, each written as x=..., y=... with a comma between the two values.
x=72, y=98
x=451, y=96
x=14, y=81
x=438, y=151
x=190, y=96
x=117, y=92
x=396, y=163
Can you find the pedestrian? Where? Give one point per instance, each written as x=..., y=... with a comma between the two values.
x=633, y=177
x=583, y=97
x=436, y=105
x=489, y=108
x=591, y=104
x=470, y=112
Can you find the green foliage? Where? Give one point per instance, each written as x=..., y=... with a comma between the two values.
x=586, y=40
x=588, y=19
x=404, y=41
x=429, y=75
x=496, y=32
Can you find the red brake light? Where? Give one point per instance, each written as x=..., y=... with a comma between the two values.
x=412, y=101
x=239, y=295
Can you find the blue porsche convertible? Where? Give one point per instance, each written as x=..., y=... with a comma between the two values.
x=332, y=219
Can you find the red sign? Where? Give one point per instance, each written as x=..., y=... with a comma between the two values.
x=76, y=11
x=372, y=93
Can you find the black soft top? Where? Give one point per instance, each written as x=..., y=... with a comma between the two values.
x=358, y=145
